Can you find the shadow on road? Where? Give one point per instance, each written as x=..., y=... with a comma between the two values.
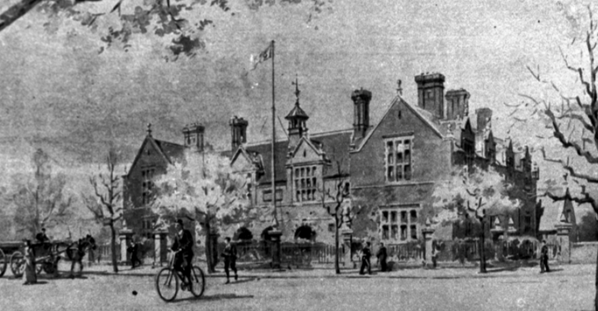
x=216, y=297
x=37, y=283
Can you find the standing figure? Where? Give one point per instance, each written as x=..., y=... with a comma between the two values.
x=434, y=253
x=382, y=255
x=366, y=253
x=183, y=246
x=134, y=249
x=230, y=259
x=544, y=258
x=91, y=250
x=29, y=276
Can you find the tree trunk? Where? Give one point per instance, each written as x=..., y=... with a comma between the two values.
x=113, y=247
x=208, y=247
x=482, y=251
x=337, y=268
x=596, y=298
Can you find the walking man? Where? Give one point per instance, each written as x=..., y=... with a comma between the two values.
x=134, y=249
x=230, y=259
x=544, y=258
x=366, y=253
x=382, y=255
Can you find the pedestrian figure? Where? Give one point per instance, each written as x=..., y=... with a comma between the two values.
x=91, y=250
x=366, y=253
x=434, y=253
x=29, y=276
x=133, y=249
x=544, y=258
x=382, y=255
x=230, y=259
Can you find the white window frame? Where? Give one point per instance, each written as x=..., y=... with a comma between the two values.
x=398, y=159
x=305, y=182
x=147, y=184
x=397, y=224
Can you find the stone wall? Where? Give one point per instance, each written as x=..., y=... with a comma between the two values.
x=584, y=252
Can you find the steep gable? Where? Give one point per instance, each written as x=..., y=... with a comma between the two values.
x=306, y=152
x=400, y=109
x=149, y=151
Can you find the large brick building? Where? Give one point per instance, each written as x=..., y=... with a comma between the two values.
x=389, y=167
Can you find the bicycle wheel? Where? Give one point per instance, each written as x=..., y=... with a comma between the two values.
x=3, y=263
x=198, y=281
x=167, y=284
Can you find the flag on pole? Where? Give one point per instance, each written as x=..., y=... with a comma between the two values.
x=262, y=57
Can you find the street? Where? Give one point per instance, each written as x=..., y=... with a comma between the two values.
x=567, y=288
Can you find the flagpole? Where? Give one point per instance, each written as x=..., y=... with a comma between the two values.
x=273, y=141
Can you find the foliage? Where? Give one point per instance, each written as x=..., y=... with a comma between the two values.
x=179, y=24
x=205, y=187
x=476, y=191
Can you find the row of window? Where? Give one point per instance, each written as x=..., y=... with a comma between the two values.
x=306, y=183
x=147, y=184
x=398, y=159
x=399, y=223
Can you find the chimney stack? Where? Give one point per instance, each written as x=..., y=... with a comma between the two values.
x=430, y=93
x=361, y=113
x=484, y=118
x=457, y=104
x=193, y=136
x=238, y=132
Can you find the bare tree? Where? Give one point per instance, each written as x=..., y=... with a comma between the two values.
x=40, y=198
x=341, y=210
x=106, y=204
x=572, y=115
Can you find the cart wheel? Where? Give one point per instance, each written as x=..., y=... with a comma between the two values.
x=17, y=264
x=49, y=267
x=3, y=263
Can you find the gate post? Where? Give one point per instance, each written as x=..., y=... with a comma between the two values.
x=160, y=247
x=347, y=235
x=125, y=239
x=427, y=233
x=563, y=229
x=275, y=235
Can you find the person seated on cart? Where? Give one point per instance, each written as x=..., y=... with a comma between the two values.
x=183, y=245
x=42, y=237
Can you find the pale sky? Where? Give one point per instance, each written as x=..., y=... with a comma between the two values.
x=59, y=93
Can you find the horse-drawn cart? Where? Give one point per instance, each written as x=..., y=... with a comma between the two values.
x=46, y=255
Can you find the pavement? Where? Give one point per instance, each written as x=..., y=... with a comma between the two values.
x=442, y=271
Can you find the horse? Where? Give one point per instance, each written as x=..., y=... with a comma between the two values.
x=76, y=251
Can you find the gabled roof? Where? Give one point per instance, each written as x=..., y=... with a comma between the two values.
x=335, y=147
x=168, y=151
x=420, y=113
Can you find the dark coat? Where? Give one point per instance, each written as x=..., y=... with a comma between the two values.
x=183, y=242
x=382, y=253
x=366, y=253
x=230, y=252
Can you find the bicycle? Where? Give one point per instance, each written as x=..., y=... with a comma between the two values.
x=169, y=275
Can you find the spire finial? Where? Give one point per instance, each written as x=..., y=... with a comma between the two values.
x=149, y=130
x=297, y=91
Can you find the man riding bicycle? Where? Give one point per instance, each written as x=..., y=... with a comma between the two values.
x=183, y=245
